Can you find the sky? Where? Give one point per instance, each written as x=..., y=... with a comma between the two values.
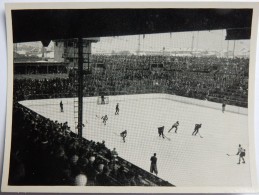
x=202, y=40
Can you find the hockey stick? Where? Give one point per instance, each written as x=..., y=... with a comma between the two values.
x=119, y=136
x=116, y=134
x=167, y=138
x=231, y=154
x=200, y=135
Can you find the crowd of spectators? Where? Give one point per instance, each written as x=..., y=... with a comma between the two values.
x=210, y=78
x=45, y=152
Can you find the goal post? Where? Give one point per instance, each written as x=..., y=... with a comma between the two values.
x=102, y=100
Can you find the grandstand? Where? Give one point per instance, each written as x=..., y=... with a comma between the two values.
x=65, y=156
x=217, y=79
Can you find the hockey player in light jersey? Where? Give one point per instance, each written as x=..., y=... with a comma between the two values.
x=174, y=126
x=241, y=152
x=124, y=135
x=105, y=118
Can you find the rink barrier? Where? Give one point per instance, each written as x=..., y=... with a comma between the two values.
x=136, y=97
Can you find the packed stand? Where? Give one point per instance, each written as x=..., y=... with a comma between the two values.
x=45, y=152
x=205, y=78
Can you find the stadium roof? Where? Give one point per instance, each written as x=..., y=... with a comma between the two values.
x=40, y=25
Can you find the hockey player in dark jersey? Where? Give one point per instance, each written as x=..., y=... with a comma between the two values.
x=102, y=100
x=153, y=166
x=161, y=131
x=124, y=135
x=117, y=109
x=61, y=106
x=196, y=129
x=174, y=126
x=223, y=107
x=105, y=118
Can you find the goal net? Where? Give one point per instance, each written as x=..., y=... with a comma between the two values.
x=102, y=100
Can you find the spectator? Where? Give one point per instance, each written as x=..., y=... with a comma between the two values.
x=80, y=180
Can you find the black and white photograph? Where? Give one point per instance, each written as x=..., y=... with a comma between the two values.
x=155, y=98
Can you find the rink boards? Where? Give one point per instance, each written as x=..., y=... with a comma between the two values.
x=119, y=98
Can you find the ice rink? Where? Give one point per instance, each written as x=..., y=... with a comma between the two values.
x=184, y=160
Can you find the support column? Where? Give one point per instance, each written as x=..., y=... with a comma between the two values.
x=80, y=86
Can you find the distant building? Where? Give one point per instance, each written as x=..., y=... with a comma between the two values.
x=40, y=67
x=66, y=50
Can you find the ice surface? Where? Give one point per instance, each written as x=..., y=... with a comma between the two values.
x=185, y=160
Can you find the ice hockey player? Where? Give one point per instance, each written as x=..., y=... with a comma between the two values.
x=174, y=126
x=61, y=106
x=223, y=107
x=161, y=131
x=82, y=126
x=77, y=126
x=124, y=135
x=102, y=100
x=153, y=166
x=196, y=129
x=117, y=109
x=105, y=119
x=241, y=152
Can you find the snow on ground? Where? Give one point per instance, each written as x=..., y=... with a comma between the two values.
x=185, y=160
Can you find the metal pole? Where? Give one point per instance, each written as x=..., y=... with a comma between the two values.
x=227, y=48
x=80, y=86
x=192, y=43
x=234, y=48
x=197, y=44
x=138, y=50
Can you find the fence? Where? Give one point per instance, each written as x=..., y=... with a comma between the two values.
x=135, y=90
x=131, y=97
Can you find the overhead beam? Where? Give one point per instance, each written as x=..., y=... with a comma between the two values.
x=238, y=34
x=36, y=25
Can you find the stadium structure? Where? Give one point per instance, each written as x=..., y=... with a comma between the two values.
x=96, y=83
